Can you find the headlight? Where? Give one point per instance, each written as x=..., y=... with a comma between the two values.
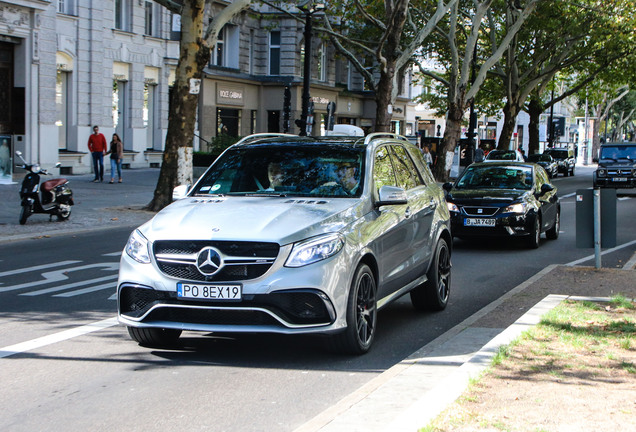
x=516, y=208
x=137, y=247
x=35, y=168
x=600, y=173
x=314, y=250
x=452, y=207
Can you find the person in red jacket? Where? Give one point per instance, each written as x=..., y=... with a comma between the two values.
x=97, y=146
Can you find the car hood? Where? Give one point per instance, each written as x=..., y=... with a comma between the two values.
x=480, y=196
x=268, y=219
x=623, y=163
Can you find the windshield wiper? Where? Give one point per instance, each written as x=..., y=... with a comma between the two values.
x=266, y=194
x=208, y=195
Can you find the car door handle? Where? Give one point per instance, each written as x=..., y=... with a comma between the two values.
x=407, y=212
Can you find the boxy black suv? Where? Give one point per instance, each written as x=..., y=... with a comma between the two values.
x=564, y=158
x=616, y=166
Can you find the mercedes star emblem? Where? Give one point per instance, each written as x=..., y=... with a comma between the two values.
x=209, y=261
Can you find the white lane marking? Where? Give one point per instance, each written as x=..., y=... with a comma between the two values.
x=71, y=285
x=56, y=337
x=59, y=275
x=568, y=195
x=88, y=290
x=589, y=257
x=112, y=254
x=113, y=297
x=38, y=267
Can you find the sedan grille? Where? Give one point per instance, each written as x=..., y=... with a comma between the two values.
x=480, y=211
x=242, y=260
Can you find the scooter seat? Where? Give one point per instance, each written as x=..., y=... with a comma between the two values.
x=49, y=185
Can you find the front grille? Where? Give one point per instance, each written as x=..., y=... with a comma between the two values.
x=243, y=260
x=480, y=211
x=619, y=172
x=214, y=317
x=299, y=307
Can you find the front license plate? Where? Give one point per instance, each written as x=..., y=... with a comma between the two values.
x=479, y=222
x=619, y=179
x=211, y=292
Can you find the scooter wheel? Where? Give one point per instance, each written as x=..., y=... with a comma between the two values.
x=24, y=214
x=64, y=212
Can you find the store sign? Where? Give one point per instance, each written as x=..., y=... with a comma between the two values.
x=229, y=96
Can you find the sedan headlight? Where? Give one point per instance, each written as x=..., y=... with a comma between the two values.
x=516, y=208
x=452, y=207
x=314, y=250
x=137, y=248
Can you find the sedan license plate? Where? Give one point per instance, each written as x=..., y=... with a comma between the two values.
x=479, y=222
x=209, y=292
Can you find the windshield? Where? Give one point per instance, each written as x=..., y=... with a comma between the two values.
x=496, y=177
x=559, y=154
x=501, y=155
x=323, y=170
x=539, y=158
x=618, y=152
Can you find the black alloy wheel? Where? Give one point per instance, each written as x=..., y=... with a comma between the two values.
x=434, y=293
x=553, y=233
x=534, y=237
x=362, y=312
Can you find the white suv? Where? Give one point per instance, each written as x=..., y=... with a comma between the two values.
x=288, y=234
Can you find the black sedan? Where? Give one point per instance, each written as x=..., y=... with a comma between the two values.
x=547, y=162
x=504, y=199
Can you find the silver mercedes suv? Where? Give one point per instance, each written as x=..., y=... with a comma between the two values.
x=288, y=234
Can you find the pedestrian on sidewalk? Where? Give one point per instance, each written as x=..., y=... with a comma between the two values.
x=428, y=158
x=97, y=146
x=116, y=156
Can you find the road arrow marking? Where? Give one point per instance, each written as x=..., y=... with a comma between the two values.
x=59, y=275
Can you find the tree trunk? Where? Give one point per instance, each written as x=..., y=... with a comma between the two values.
x=383, y=100
x=511, y=111
x=534, y=111
x=176, y=167
x=452, y=133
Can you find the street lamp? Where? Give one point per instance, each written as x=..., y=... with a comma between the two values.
x=308, y=8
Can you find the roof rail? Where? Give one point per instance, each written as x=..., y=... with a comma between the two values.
x=378, y=135
x=264, y=135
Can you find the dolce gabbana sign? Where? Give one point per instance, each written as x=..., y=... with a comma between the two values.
x=229, y=96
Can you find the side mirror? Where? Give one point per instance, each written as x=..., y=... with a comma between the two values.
x=18, y=152
x=595, y=160
x=59, y=164
x=545, y=188
x=180, y=192
x=447, y=186
x=391, y=195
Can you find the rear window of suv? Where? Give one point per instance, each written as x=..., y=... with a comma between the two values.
x=557, y=154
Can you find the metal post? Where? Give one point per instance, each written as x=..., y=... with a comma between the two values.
x=306, y=74
x=586, y=150
x=551, y=122
x=597, y=228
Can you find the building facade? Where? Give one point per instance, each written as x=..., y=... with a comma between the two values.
x=67, y=65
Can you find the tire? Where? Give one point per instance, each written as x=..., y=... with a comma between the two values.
x=566, y=172
x=362, y=313
x=64, y=212
x=24, y=214
x=572, y=171
x=154, y=337
x=553, y=233
x=532, y=241
x=433, y=294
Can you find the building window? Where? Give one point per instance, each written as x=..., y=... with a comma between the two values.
x=218, y=55
x=251, y=53
x=274, y=53
x=123, y=15
x=322, y=63
x=253, y=121
x=61, y=108
x=228, y=122
x=66, y=7
x=153, y=19
x=119, y=110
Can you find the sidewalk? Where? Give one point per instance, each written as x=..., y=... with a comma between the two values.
x=409, y=395
x=97, y=206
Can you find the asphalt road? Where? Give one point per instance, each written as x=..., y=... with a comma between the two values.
x=63, y=376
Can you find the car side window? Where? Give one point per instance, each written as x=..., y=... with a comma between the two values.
x=383, y=173
x=405, y=171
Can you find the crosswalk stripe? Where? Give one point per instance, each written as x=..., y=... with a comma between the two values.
x=87, y=290
x=56, y=337
x=67, y=286
x=37, y=267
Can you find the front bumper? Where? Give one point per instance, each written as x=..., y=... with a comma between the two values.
x=508, y=225
x=615, y=182
x=309, y=299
